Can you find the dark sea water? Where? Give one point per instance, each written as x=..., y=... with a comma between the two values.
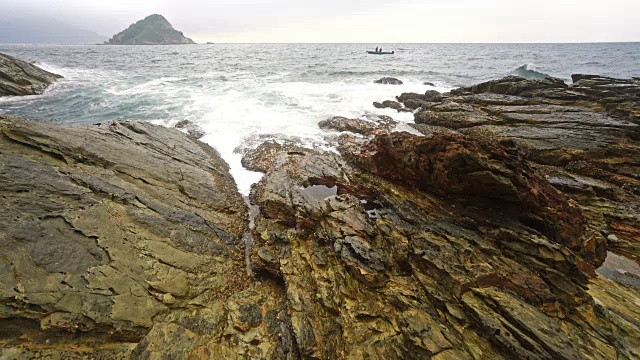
x=242, y=94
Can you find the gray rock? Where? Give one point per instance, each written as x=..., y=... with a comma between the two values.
x=18, y=77
x=388, y=81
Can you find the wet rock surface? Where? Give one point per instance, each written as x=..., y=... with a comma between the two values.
x=18, y=77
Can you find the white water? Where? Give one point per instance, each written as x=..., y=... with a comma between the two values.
x=242, y=95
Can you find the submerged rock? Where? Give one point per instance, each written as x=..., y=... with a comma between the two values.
x=388, y=81
x=18, y=77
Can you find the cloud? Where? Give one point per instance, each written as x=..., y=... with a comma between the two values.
x=357, y=21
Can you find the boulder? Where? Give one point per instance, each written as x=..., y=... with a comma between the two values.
x=433, y=96
x=456, y=165
x=266, y=155
x=388, y=81
x=410, y=96
x=18, y=77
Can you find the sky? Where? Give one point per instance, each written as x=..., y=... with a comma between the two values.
x=376, y=21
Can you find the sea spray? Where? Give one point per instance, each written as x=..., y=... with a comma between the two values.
x=528, y=71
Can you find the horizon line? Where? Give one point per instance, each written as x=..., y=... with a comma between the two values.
x=352, y=43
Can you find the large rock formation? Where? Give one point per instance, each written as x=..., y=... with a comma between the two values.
x=152, y=30
x=585, y=138
x=442, y=247
x=18, y=77
x=121, y=238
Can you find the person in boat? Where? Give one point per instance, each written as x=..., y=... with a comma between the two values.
x=380, y=49
x=376, y=49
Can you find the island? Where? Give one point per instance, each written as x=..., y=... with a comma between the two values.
x=152, y=30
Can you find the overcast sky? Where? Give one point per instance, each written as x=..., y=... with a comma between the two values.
x=356, y=20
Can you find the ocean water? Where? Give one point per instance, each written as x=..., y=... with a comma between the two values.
x=243, y=94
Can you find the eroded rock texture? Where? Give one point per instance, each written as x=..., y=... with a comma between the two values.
x=125, y=238
x=394, y=254
x=584, y=138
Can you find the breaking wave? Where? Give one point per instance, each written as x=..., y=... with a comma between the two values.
x=527, y=71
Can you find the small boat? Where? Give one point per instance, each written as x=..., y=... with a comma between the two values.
x=381, y=52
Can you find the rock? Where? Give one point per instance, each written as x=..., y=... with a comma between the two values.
x=455, y=165
x=460, y=280
x=513, y=85
x=123, y=236
x=365, y=127
x=388, y=81
x=152, y=30
x=18, y=77
x=266, y=155
x=388, y=104
x=414, y=104
x=192, y=130
x=428, y=83
x=585, y=136
x=429, y=130
x=433, y=96
x=410, y=96
x=415, y=101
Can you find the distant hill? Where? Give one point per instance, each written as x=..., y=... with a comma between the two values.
x=43, y=30
x=152, y=30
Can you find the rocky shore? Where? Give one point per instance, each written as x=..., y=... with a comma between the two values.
x=18, y=78
x=494, y=235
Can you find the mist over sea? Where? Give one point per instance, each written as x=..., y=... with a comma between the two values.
x=243, y=94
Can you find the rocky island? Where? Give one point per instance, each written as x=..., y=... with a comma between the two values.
x=488, y=232
x=152, y=30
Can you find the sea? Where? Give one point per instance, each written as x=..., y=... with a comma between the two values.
x=244, y=94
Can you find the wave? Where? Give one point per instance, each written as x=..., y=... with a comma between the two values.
x=528, y=72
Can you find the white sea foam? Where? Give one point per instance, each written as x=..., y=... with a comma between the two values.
x=283, y=109
x=233, y=108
